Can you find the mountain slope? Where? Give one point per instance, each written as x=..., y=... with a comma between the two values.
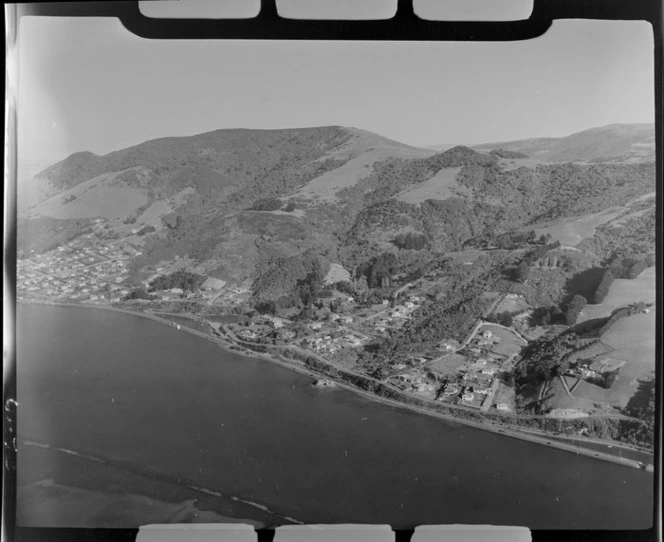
x=216, y=164
x=230, y=203
x=628, y=143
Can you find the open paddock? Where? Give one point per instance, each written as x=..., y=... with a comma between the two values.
x=449, y=365
x=623, y=292
x=510, y=342
x=571, y=231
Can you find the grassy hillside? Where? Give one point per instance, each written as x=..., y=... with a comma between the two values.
x=43, y=234
x=631, y=143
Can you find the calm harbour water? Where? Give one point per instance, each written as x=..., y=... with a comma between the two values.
x=170, y=405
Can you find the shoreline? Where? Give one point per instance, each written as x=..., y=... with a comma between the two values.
x=493, y=427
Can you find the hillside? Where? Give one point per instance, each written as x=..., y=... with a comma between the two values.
x=377, y=256
x=245, y=163
x=627, y=143
x=229, y=203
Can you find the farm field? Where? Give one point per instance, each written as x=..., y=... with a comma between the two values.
x=590, y=397
x=586, y=397
x=633, y=339
x=623, y=292
x=510, y=343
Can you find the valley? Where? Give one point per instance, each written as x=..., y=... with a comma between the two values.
x=500, y=289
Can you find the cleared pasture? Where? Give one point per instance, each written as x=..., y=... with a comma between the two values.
x=337, y=273
x=571, y=231
x=510, y=342
x=364, y=150
x=153, y=214
x=512, y=304
x=623, y=292
x=633, y=340
x=101, y=197
x=441, y=186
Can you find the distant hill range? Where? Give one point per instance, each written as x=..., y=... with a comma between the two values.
x=626, y=143
x=223, y=162
x=241, y=204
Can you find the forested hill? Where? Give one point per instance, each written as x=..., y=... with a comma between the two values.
x=245, y=205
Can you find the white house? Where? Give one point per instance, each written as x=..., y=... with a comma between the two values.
x=503, y=406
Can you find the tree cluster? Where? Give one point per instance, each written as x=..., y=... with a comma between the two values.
x=379, y=270
x=172, y=221
x=179, y=279
x=139, y=293
x=145, y=230
x=619, y=314
x=505, y=318
x=573, y=308
x=543, y=359
x=642, y=406
x=411, y=241
x=603, y=287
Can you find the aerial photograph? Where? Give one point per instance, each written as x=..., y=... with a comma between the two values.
x=319, y=282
